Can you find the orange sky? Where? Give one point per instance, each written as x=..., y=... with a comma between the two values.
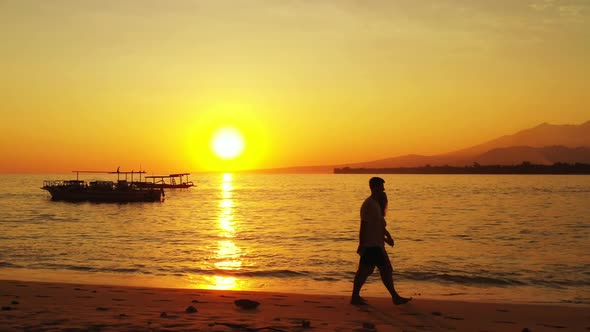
x=96, y=85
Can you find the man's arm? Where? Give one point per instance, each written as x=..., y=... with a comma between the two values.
x=388, y=238
x=360, y=248
x=362, y=231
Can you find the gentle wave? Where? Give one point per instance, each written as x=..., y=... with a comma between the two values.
x=242, y=273
x=86, y=268
x=163, y=272
x=466, y=280
x=494, y=281
x=460, y=279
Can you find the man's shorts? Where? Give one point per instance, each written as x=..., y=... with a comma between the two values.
x=374, y=256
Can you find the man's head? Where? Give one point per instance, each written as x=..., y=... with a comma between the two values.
x=376, y=184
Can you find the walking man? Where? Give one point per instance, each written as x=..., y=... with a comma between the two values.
x=372, y=238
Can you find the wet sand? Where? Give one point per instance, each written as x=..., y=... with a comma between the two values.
x=43, y=306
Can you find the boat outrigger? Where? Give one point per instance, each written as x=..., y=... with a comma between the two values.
x=159, y=181
x=122, y=191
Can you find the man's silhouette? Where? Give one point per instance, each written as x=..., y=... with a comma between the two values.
x=372, y=238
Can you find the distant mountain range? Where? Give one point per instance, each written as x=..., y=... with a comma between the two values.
x=544, y=144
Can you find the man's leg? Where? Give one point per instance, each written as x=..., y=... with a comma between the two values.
x=363, y=272
x=386, y=272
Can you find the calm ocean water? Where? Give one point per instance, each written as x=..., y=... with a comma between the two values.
x=516, y=238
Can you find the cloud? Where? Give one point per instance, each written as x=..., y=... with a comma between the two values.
x=571, y=10
x=541, y=6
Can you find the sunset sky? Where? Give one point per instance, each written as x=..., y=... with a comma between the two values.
x=101, y=84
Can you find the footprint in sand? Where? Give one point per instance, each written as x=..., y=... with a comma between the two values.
x=118, y=300
x=307, y=301
x=552, y=326
x=283, y=305
x=165, y=315
x=453, y=318
x=55, y=322
x=504, y=322
x=325, y=307
x=172, y=326
x=423, y=327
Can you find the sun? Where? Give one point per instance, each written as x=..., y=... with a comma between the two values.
x=227, y=143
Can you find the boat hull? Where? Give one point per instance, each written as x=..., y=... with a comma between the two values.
x=112, y=196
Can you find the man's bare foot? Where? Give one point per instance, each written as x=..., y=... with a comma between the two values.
x=401, y=300
x=357, y=300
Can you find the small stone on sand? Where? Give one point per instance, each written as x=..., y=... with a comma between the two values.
x=247, y=304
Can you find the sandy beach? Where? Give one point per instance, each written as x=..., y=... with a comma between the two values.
x=42, y=306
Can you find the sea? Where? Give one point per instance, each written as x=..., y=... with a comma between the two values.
x=515, y=238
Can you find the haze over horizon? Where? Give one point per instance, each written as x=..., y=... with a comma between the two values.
x=104, y=84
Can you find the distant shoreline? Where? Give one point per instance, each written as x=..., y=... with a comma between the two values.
x=524, y=168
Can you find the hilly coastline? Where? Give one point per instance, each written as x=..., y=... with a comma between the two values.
x=544, y=144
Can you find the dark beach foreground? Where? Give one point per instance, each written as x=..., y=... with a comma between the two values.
x=42, y=306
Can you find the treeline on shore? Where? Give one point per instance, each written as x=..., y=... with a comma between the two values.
x=524, y=168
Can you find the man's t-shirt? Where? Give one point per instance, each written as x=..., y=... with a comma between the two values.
x=373, y=229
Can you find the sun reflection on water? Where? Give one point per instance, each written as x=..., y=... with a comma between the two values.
x=228, y=253
x=222, y=283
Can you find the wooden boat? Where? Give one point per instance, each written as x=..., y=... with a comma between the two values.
x=121, y=191
x=171, y=181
